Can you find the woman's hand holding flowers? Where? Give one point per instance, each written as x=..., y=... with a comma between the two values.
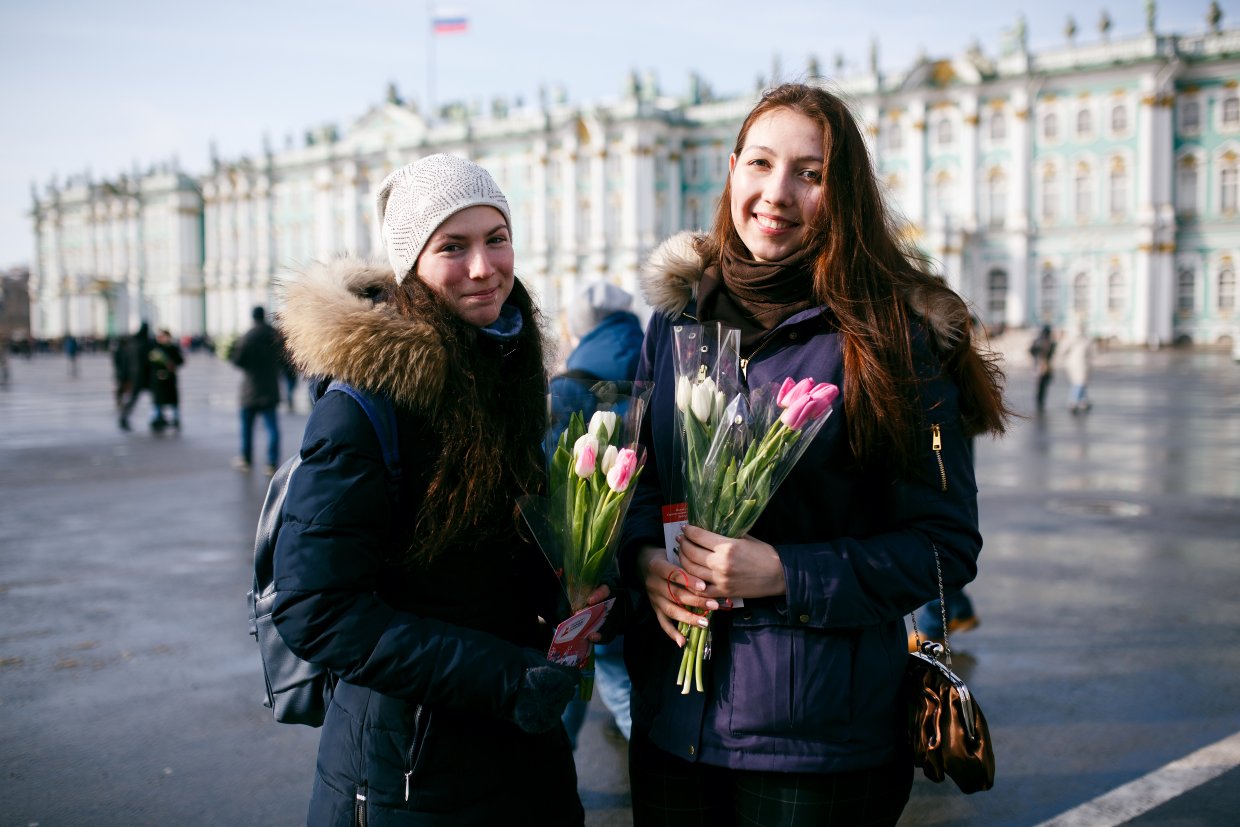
x=742, y=567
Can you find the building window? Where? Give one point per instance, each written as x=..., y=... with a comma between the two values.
x=1227, y=190
x=996, y=292
x=1119, y=118
x=996, y=200
x=1084, y=123
x=1050, y=195
x=1083, y=193
x=1185, y=291
x=1080, y=295
x=1226, y=290
x=941, y=194
x=1049, y=288
x=998, y=126
x=943, y=132
x=1050, y=126
x=1231, y=111
x=1186, y=186
x=1115, y=292
x=895, y=135
x=1119, y=190
x=1190, y=116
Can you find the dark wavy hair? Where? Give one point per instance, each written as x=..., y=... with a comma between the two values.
x=488, y=426
x=869, y=279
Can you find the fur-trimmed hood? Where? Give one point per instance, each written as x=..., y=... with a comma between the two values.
x=333, y=328
x=669, y=280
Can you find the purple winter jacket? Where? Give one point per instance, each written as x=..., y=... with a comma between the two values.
x=809, y=681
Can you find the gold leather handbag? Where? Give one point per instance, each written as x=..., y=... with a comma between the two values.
x=947, y=730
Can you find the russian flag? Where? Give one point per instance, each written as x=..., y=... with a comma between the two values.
x=449, y=23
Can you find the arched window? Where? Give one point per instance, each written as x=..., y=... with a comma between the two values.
x=996, y=199
x=1050, y=126
x=895, y=135
x=1185, y=291
x=1190, y=116
x=1186, y=186
x=1050, y=194
x=943, y=131
x=1119, y=189
x=1084, y=123
x=1049, y=290
x=1227, y=189
x=1083, y=191
x=1080, y=295
x=1227, y=289
x=1116, y=294
x=1231, y=111
x=996, y=295
x=998, y=126
x=1119, y=118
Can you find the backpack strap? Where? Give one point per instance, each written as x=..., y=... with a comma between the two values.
x=382, y=415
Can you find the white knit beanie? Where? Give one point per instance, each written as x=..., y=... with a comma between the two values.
x=415, y=199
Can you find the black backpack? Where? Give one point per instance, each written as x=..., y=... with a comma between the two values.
x=298, y=691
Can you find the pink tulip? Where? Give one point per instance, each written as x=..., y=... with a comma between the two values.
x=804, y=402
x=585, y=455
x=621, y=473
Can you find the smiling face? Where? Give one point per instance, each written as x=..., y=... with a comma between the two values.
x=776, y=183
x=468, y=261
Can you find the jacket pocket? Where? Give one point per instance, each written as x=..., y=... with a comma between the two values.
x=791, y=682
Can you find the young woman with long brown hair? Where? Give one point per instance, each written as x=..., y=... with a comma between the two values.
x=801, y=722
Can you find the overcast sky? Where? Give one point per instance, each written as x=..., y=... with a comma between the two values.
x=87, y=85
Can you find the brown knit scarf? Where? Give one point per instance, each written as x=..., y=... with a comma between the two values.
x=756, y=296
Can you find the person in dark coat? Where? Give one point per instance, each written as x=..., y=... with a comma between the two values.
x=1042, y=350
x=133, y=371
x=166, y=361
x=608, y=341
x=435, y=612
x=260, y=355
x=801, y=721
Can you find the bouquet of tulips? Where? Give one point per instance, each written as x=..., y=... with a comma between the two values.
x=592, y=470
x=738, y=450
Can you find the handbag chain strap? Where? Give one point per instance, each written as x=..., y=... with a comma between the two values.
x=945, y=650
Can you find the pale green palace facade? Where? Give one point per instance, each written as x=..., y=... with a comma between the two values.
x=1097, y=182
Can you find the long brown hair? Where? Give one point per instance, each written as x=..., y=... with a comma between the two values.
x=488, y=425
x=869, y=279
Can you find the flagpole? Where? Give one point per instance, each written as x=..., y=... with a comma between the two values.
x=430, y=60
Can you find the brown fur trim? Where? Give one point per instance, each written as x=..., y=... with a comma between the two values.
x=333, y=328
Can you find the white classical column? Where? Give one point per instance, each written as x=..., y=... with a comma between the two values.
x=1019, y=173
x=598, y=208
x=539, y=250
x=325, y=242
x=915, y=199
x=871, y=115
x=570, y=242
x=350, y=195
x=260, y=209
x=969, y=159
x=1162, y=275
x=1143, y=287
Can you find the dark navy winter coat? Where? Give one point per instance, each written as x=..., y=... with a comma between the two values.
x=429, y=659
x=809, y=681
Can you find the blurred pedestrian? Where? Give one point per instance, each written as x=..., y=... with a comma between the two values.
x=1042, y=350
x=608, y=339
x=133, y=371
x=166, y=361
x=1076, y=353
x=70, y=345
x=260, y=356
x=430, y=609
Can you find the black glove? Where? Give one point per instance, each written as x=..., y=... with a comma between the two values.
x=544, y=691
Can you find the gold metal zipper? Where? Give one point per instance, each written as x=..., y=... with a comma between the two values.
x=936, y=444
